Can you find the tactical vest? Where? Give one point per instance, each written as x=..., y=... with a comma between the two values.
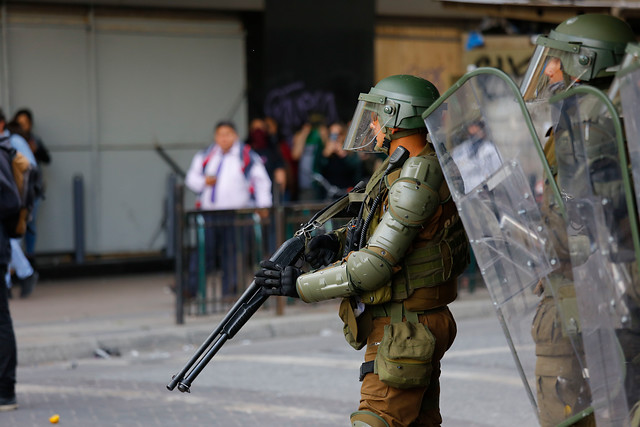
x=425, y=277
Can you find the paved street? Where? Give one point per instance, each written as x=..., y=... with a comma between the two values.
x=271, y=382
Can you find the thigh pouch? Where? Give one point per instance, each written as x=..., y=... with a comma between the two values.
x=404, y=355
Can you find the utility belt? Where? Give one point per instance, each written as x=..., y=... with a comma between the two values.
x=560, y=285
x=384, y=310
x=562, y=292
x=425, y=300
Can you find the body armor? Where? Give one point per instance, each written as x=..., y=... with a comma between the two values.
x=416, y=241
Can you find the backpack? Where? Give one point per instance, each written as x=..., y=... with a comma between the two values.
x=246, y=154
x=27, y=178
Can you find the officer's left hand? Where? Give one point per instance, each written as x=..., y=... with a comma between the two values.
x=277, y=281
x=322, y=250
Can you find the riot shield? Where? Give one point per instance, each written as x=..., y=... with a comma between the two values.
x=603, y=237
x=625, y=321
x=497, y=173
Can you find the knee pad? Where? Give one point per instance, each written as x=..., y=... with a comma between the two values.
x=367, y=419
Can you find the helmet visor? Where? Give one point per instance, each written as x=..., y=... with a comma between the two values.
x=551, y=71
x=368, y=125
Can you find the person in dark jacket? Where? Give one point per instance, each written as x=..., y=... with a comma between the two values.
x=9, y=205
x=24, y=118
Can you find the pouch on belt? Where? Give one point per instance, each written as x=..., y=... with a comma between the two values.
x=405, y=352
x=355, y=329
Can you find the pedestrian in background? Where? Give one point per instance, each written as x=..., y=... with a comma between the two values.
x=227, y=175
x=9, y=205
x=341, y=168
x=267, y=148
x=25, y=275
x=24, y=118
x=306, y=150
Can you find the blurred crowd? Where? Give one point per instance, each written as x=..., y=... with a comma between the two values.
x=232, y=174
x=312, y=165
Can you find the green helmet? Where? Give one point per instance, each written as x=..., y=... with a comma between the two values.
x=594, y=43
x=585, y=48
x=581, y=48
x=396, y=102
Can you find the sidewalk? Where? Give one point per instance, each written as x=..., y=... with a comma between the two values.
x=71, y=319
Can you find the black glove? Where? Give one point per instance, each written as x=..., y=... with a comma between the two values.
x=277, y=281
x=322, y=250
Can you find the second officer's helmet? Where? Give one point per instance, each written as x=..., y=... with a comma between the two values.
x=396, y=102
x=583, y=48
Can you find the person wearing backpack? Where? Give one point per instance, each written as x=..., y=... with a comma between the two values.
x=9, y=206
x=25, y=276
x=226, y=175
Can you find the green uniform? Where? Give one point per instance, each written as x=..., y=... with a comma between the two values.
x=419, y=258
x=399, y=273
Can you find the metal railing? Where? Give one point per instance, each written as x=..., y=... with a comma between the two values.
x=218, y=252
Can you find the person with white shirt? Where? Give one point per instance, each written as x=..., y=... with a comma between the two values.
x=226, y=175
x=476, y=158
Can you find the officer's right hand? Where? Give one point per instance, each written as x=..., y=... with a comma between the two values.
x=322, y=250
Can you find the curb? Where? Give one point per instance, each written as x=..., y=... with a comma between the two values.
x=146, y=337
x=171, y=337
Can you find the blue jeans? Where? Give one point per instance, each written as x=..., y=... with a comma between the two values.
x=19, y=263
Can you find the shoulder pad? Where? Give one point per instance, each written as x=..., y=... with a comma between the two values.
x=414, y=196
x=424, y=169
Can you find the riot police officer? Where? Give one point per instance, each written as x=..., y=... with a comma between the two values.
x=396, y=265
x=585, y=49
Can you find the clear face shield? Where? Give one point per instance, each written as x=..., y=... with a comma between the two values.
x=373, y=114
x=551, y=71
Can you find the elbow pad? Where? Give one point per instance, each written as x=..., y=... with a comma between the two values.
x=326, y=283
x=364, y=270
x=369, y=270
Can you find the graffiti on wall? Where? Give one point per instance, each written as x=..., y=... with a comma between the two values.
x=514, y=66
x=291, y=104
x=510, y=54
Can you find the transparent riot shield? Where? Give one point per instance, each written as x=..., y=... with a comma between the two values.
x=605, y=219
x=603, y=237
x=499, y=179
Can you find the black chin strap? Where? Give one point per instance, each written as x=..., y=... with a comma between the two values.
x=386, y=146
